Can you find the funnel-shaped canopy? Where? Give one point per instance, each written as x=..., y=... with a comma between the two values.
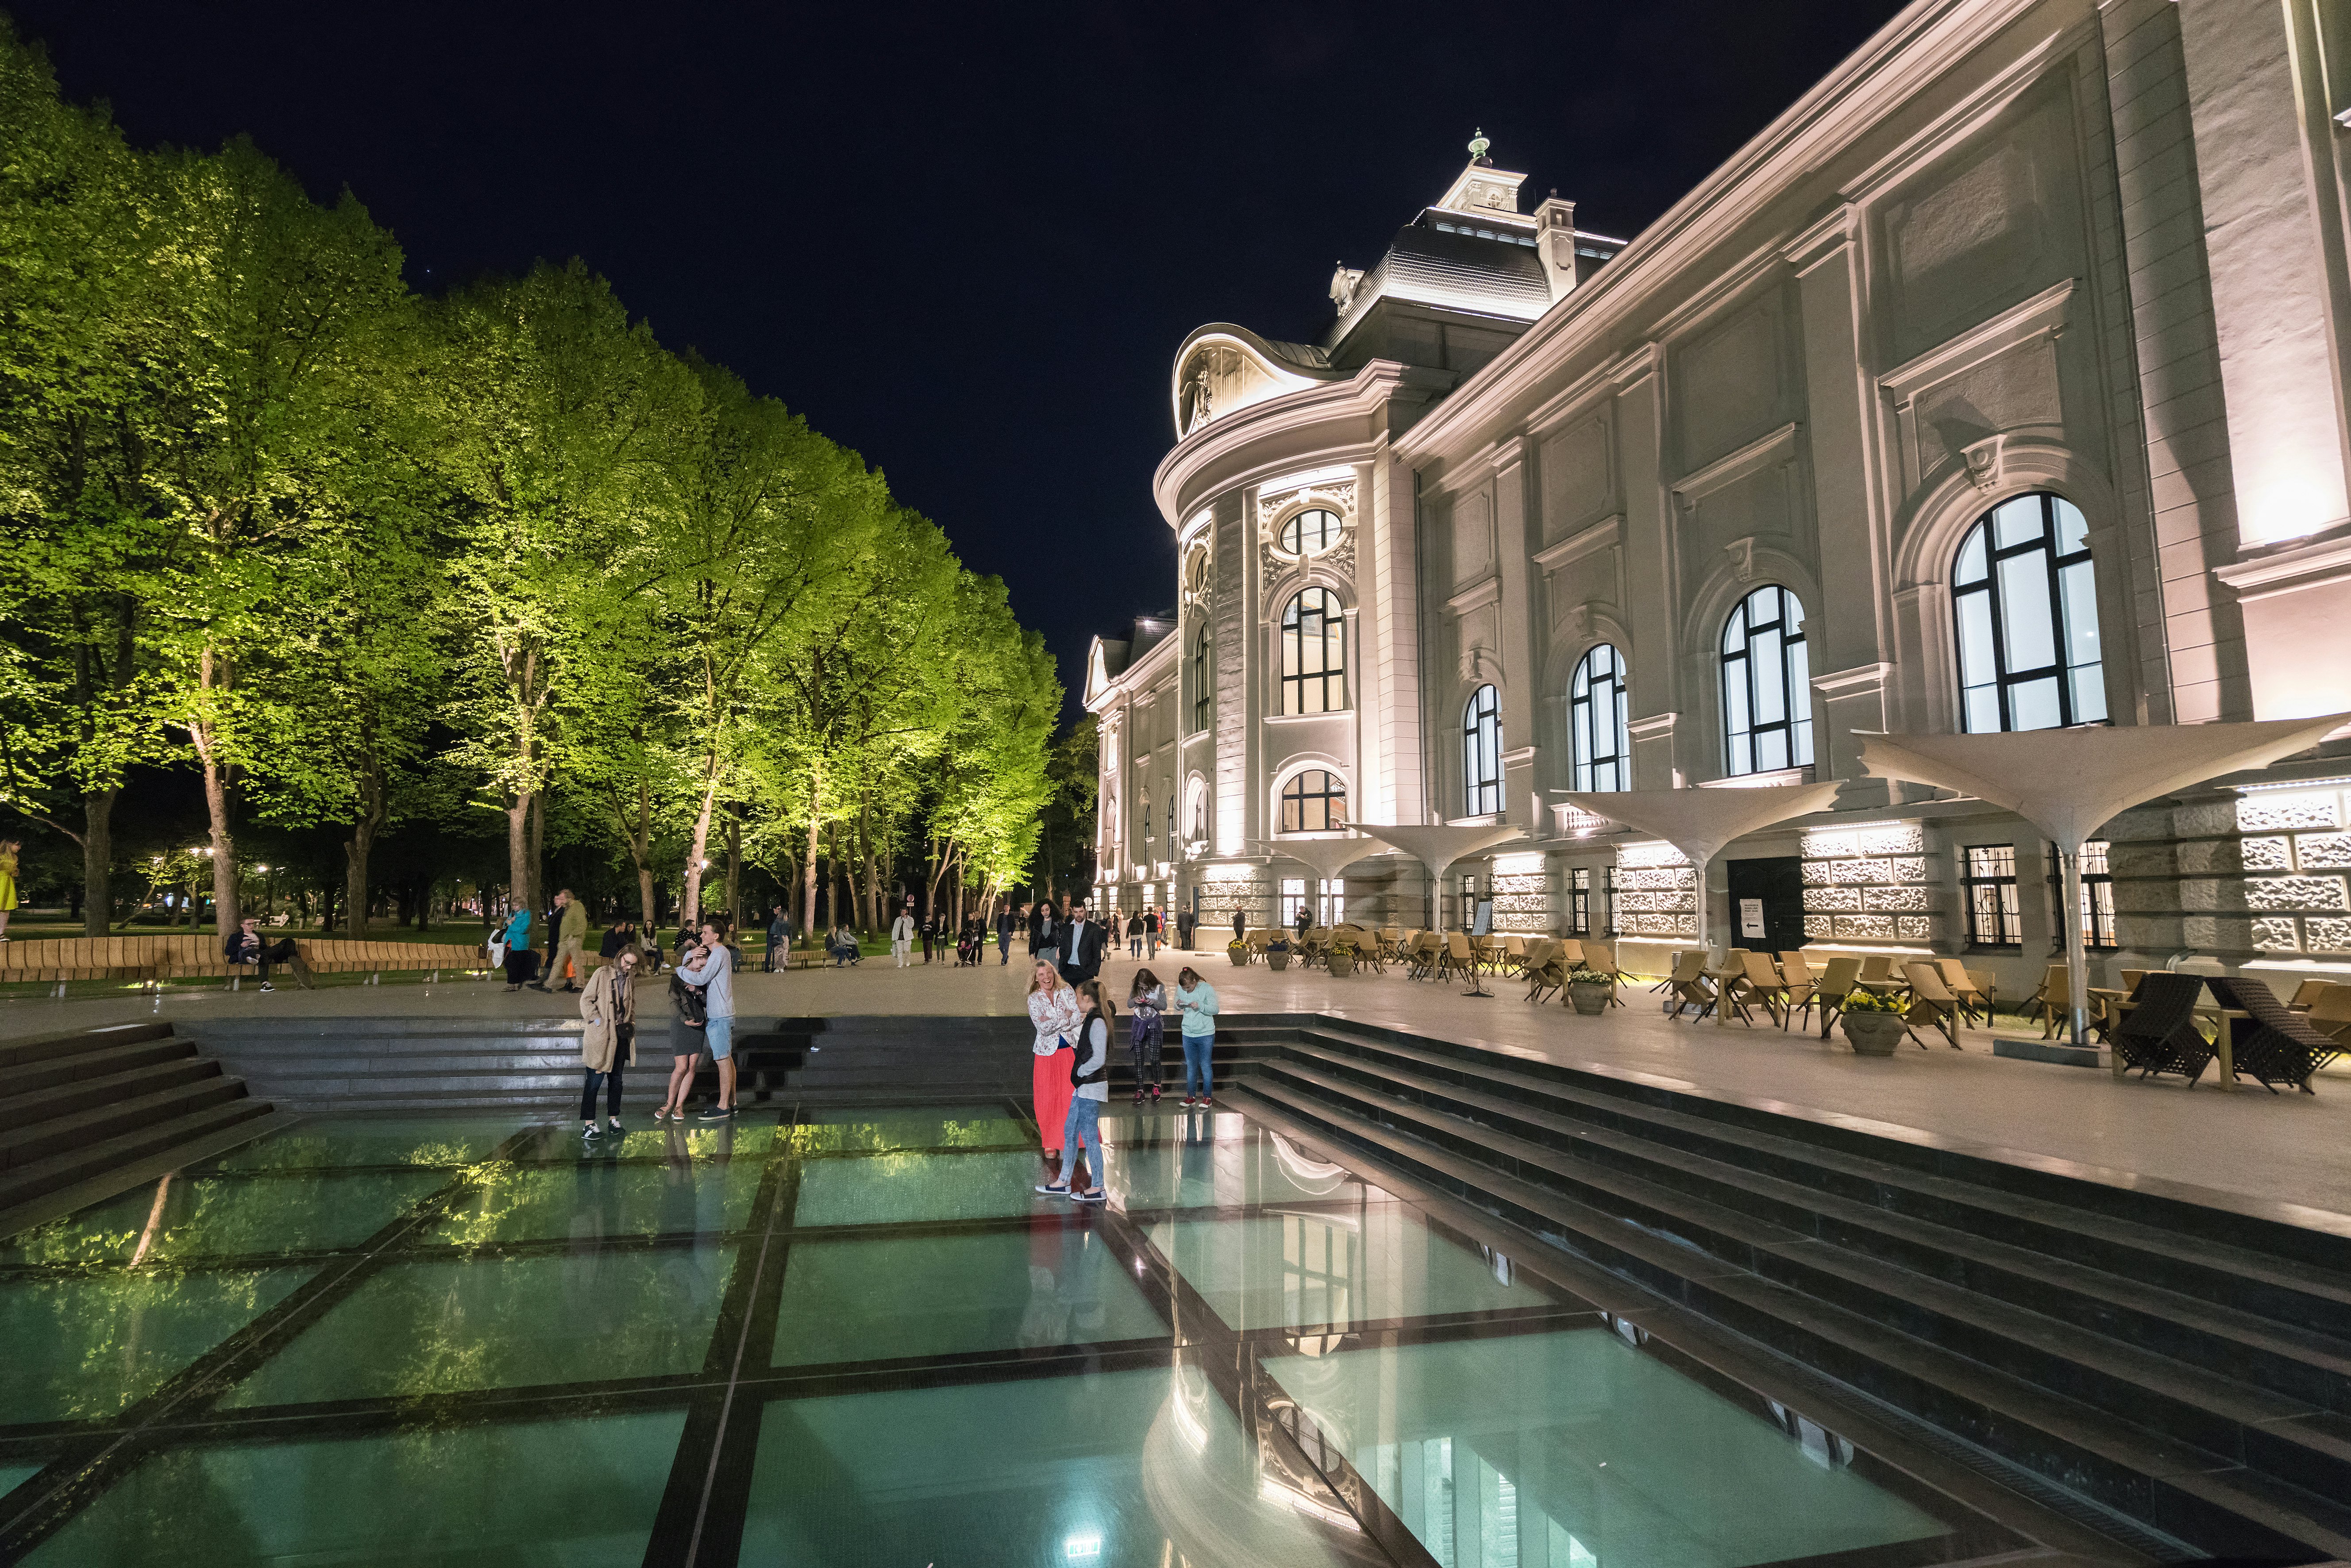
x=2070, y=783
x=1699, y=823
x=1439, y=846
x=1326, y=858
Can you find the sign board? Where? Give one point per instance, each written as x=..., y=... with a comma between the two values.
x=1483, y=924
x=1751, y=917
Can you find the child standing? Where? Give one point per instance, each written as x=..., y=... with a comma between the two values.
x=1197, y=1000
x=1147, y=1001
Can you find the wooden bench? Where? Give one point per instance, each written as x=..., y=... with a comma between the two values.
x=155, y=960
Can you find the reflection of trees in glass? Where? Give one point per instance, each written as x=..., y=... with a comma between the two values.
x=987, y=1132
x=225, y=1217
x=90, y=1345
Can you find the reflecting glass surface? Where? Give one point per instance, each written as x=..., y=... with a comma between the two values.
x=1576, y=1445
x=887, y=1188
x=1191, y=1166
x=935, y=1295
x=911, y=1127
x=86, y=1346
x=1125, y=1468
x=325, y=1142
x=597, y=1195
x=181, y=1217
x=1314, y=1267
x=580, y=1493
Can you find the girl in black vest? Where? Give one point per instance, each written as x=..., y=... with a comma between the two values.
x=1090, y=1078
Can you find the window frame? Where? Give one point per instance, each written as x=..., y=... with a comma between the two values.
x=1482, y=752
x=1985, y=890
x=1292, y=645
x=1203, y=701
x=2097, y=912
x=1584, y=763
x=1741, y=747
x=1294, y=789
x=1289, y=538
x=1579, y=901
x=2055, y=562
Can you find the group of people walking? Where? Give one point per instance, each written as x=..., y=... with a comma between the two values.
x=1071, y=1073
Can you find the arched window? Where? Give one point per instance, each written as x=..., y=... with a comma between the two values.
x=1600, y=736
x=1315, y=802
x=1482, y=752
x=1313, y=653
x=1311, y=532
x=2027, y=613
x=1767, y=693
x=1201, y=702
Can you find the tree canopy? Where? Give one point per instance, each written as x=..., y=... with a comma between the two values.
x=496, y=565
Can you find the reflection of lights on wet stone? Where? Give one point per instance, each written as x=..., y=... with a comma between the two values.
x=1083, y=1547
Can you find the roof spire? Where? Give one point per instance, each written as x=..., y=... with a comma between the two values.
x=1478, y=145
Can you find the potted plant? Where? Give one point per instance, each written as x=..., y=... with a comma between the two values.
x=1340, y=957
x=1277, y=953
x=1588, y=990
x=1238, y=953
x=1873, y=1023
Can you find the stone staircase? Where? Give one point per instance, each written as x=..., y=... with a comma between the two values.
x=2187, y=1366
x=87, y=1114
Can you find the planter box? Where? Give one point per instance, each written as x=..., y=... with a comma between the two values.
x=1589, y=1001
x=1239, y=955
x=1873, y=1034
x=1342, y=964
x=1277, y=962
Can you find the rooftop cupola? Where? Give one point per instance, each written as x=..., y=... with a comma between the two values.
x=1480, y=188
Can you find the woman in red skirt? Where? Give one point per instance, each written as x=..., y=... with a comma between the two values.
x=1054, y=1009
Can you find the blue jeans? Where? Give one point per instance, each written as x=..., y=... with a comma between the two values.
x=1082, y=1125
x=1195, y=1064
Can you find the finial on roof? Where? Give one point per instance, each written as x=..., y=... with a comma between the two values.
x=1478, y=145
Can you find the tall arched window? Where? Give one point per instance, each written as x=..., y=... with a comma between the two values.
x=1313, y=653
x=1598, y=723
x=1767, y=693
x=2027, y=612
x=1315, y=802
x=1482, y=752
x=1201, y=704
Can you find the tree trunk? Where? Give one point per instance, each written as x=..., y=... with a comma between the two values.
x=356, y=847
x=734, y=870
x=690, y=910
x=97, y=861
x=808, y=873
x=518, y=855
x=871, y=895
x=539, y=856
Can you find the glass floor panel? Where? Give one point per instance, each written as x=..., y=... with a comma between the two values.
x=503, y=1322
x=1123, y=1467
x=323, y=1142
x=582, y=1493
x=13, y=1476
x=913, y=1127
x=873, y=1189
x=861, y=1299
x=83, y=1346
x=597, y=1195
x=750, y=1138
x=1577, y=1445
x=1189, y=1168
x=227, y=1215
x=1321, y=1267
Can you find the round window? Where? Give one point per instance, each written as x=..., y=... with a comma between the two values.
x=1311, y=532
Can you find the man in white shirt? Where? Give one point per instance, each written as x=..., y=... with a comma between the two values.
x=902, y=936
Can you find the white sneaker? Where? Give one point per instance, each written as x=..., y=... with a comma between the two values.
x=267, y=986
x=616, y=1125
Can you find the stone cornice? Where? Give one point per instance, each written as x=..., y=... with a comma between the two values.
x=1340, y=422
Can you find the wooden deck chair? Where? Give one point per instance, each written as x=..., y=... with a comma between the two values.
x=2053, y=1000
x=1597, y=955
x=1458, y=955
x=1801, y=987
x=1956, y=980
x=1571, y=952
x=1878, y=974
x=1543, y=970
x=2330, y=1013
x=1689, y=986
x=2281, y=1046
x=1837, y=982
x=1985, y=984
x=1763, y=983
x=2156, y=1032
x=1932, y=1002
x=1428, y=952
x=2306, y=993
x=1514, y=954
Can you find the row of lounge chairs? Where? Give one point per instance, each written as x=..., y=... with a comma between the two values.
x=2159, y=1028
x=1940, y=993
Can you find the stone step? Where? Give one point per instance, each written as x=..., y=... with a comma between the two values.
x=120, y=1114
x=24, y=1111
x=2221, y=1505
x=76, y=1042
x=88, y=1162
x=47, y=1072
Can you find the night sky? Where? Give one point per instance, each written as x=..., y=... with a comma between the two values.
x=964, y=241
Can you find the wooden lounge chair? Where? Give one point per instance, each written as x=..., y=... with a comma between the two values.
x=1962, y=987
x=2281, y=1046
x=1986, y=984
x=1932, y=1002
x=1597, y=957
x=1459, y=958
x=2053, y=1000
x=2306, y=993
x=2330, y=1014
x=1688, y=985
x=1542, y=969
x=2156, y=1033
x=1801, y=988
x=1838, y=981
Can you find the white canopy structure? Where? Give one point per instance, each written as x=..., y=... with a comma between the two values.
x=2070, y=783
x=1439, y=846
x=1326, y=858
x=1699, y=823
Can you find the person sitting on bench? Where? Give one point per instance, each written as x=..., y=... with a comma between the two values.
x=243, y=945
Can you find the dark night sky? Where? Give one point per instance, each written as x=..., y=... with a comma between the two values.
x=963, y=240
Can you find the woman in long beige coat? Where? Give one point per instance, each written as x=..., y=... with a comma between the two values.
x=609, y=1003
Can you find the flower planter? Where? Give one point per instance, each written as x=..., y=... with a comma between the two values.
x=1873, y=1034
x=1277, y=962
x=1342, y=964
x=1239, y=955
x=1589, y=1001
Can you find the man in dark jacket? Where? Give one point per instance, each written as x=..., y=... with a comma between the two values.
x=1081, y=954
x=243, y=945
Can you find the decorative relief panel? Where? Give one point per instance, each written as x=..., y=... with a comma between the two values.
x=1873, y=928
x=1912, y=900
x=1655, y=876
x=2271, y=892
x=2313, y=851
x=1818, y=925
x=2327, y=933
x=1577, y=484
x=1869, y=883
x=2264, y=813
x=2265, y=854
x=1864, y=871
x=2274, y=936
x=1913, y=927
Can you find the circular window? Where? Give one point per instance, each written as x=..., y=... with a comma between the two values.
x=1311, y=532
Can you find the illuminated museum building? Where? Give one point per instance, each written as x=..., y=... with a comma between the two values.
x=1998, y=383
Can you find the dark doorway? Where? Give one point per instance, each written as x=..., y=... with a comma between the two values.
x=1777, y=883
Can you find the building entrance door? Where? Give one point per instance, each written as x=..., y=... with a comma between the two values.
x=1767, y=904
